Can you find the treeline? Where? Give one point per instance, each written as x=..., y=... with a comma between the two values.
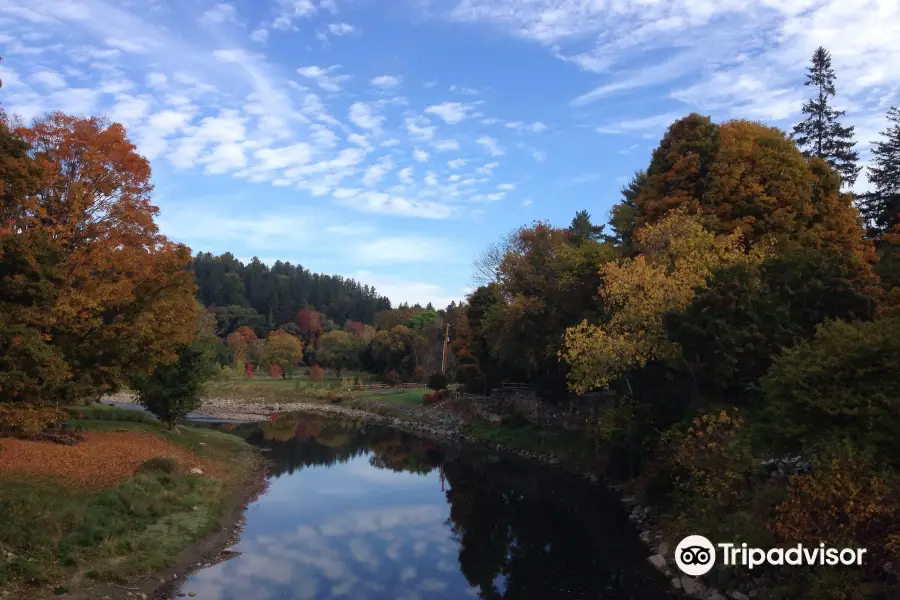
x=266, y=298
x=743, y=306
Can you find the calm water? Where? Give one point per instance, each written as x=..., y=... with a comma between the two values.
x=374, y=514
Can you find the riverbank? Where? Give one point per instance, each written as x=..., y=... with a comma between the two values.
x=127, y=512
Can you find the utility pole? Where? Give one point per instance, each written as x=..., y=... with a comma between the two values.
x=444, y=357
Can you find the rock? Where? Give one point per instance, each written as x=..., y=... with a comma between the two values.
x=736, y=595
x=676, y=583
x=192, y=594
x=196, y=471
x=658, y=561
x=716, y=596
x=181, y=594
x=691, y=586
x=645, y=537
x=629, y=500
x=663, y=548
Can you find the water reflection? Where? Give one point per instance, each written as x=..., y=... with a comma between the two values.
x=371, y=513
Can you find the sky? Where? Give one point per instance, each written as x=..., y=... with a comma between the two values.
x=392, y=140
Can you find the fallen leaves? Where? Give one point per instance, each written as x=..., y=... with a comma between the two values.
x=102, y=459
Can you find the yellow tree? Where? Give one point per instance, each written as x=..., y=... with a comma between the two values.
x=678, y=256
x=282, y=349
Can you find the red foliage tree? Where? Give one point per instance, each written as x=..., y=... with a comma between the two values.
x=309, y=322
x=317, y=374
x=356, y=327
x=275, y=371
x=249, y=371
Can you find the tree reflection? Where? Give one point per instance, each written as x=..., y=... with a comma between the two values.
x=531, y=533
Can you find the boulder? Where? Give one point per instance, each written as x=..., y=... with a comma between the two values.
x=691, y=586
x=658, y=561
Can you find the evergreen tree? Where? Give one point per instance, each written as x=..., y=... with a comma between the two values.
x=881, y=206
x=821, y=134
x=622, y=216
x=582, y=229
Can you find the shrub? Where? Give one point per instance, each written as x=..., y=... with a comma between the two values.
x=275, y=371
x=437, y=381
x=317, y=374
x=249, y=372
x=28, y=419
x=844, y=502
x=427, y=399
x=159, y=464
x=392, y=378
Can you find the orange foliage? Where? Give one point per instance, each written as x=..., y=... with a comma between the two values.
x=275, y=371
x=317, y=374
x=843, y=503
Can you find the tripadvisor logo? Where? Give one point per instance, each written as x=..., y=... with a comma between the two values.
x=695, y=555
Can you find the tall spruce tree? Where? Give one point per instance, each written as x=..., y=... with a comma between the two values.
x=881, y=206
x=821, y=134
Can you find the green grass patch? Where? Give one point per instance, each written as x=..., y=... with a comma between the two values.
x=397, y=397
x=103, y=412
x=527, y=436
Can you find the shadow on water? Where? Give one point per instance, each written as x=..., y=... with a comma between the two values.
x=364, y=512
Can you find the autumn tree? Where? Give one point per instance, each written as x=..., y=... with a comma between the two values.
x=310, y=324
x=339, y=350
x=678, y=257
x=282, y=349
x=821, y=133
x=124, y=295
x=238, y=342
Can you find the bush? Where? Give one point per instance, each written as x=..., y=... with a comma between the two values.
x=28, y=419
x=392, y=378
x=275, y=372
x=428, y=399
x=317, y=374
x=159, y=464
x=437, y=381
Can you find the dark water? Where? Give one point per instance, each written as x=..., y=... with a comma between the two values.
x=368, y=513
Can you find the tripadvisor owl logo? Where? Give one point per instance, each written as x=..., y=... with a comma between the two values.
x=695, y=555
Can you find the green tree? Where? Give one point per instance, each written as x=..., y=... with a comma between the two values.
x=821, y=133
x=582, y=229
x=738, y=324
x=622, y=216
x=881, y=206
x=842, y=384
x=339, y=350
x=172, y=391
x=282, y=349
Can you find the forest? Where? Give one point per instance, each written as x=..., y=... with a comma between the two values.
x=741, y=301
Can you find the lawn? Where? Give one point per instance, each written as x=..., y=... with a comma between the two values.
x=121, y=503
x=397, y=397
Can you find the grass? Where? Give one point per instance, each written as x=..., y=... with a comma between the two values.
x=397, y=397
x=519, y=433
x=49, y=530
x=103, y=412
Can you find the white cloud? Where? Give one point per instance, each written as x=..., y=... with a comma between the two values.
x=419, y=127
x=450, y=112
x=491, y=145
x=401, y=249
x=535, y=127
x=445, y=145
x=539, y=155
x=488, y=168
x=323, y=77
x=385, y=81
x=290, y=11
x=645, y=125
x=506, y=186
x=260, y=35
x=420, y=155
x=341, y=29
x=375, y=173
x=457, y=163
x=364, y=116
x=406, y=175
x=156, y=80
x=220, y=13
x=389, y=204
x=49, y=79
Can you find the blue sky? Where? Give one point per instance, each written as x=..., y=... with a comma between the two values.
x=392, y=140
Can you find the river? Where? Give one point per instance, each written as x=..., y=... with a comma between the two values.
x=370, y=513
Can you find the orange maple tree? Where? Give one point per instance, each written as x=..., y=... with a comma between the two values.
x=123, y=296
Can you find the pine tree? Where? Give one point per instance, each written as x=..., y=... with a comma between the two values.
x=881, y=206
x=821, y=134
x=582, y=229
